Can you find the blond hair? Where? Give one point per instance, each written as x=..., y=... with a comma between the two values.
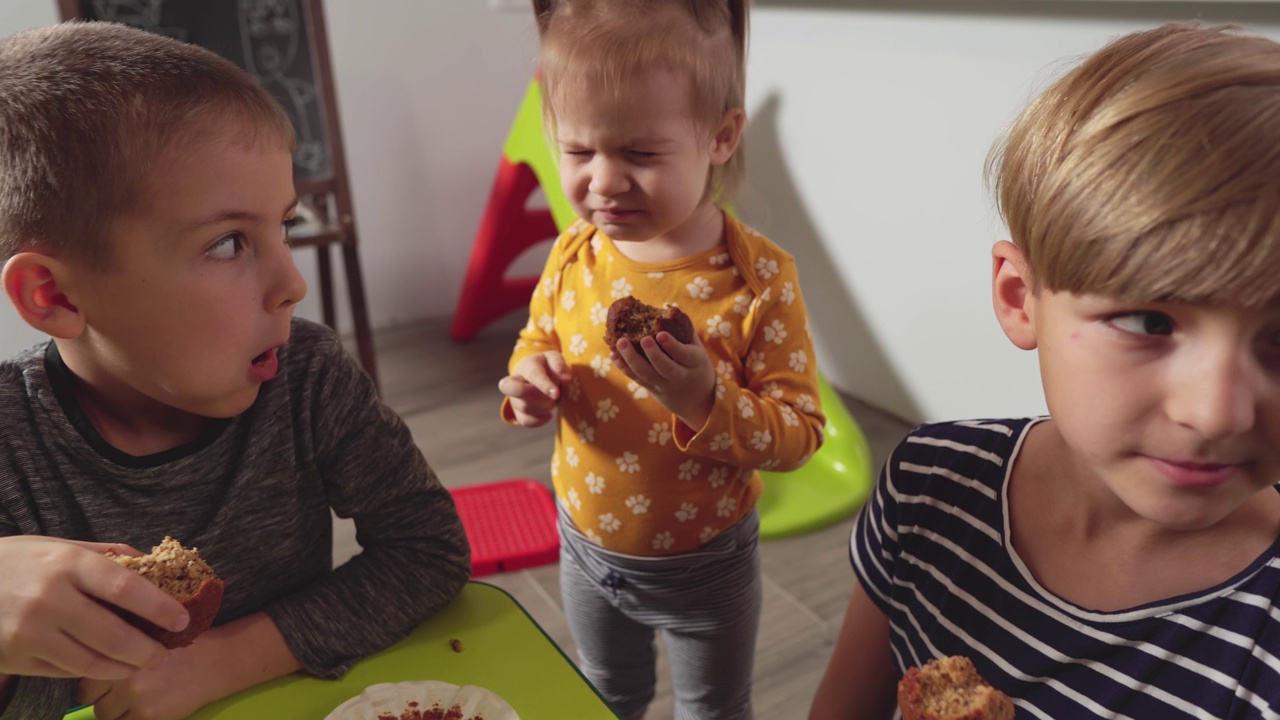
x=597, y=46
x=86, y=109
x=1151, y=172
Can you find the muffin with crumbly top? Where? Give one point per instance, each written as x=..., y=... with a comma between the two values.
x=182, y=573
x=629, y=318
x=950, y=689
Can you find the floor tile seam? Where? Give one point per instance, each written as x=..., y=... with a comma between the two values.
x=815, y=617
x=809, y=635
x=542, y=592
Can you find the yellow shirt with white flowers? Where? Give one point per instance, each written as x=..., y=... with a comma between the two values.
x=632, y=476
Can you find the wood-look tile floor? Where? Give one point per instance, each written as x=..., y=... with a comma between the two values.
x=447, y=394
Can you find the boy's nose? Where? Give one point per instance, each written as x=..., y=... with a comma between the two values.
x=1216, y=396
x=286, y=286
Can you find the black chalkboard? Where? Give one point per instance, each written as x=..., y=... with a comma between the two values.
x=269, y=38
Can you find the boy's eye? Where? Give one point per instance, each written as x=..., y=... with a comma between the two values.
x=227, y=246
x=1273, y=339
x=1144, y=323
x=287, y=226
x=1269, y=349
x=641, y=154
x=578, y=153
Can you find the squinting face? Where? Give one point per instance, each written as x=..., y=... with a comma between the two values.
x=638, y=168
x=1174, y=408
x=198, y=296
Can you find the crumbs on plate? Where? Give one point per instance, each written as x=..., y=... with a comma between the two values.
x=435, y=712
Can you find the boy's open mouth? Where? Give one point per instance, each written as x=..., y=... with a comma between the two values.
x=266, y=365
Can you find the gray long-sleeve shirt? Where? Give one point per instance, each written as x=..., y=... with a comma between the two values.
x=254, y=495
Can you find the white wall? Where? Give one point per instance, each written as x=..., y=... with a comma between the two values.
x=870, y=123
x=427, y=89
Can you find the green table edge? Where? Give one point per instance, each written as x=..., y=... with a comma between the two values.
x=554, y=644
x=84, y=712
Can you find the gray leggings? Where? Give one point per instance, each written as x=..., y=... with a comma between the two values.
x=706, y=602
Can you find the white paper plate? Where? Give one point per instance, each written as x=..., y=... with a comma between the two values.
x=394, y=698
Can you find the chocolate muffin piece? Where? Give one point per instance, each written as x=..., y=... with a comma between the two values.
x=629, y=318
x=182, y=573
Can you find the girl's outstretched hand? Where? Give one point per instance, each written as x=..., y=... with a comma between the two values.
x=535, y=387
x=679, y=376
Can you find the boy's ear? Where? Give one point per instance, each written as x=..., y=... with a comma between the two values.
x=31, y=280
x=725, y=142
x=1012, y=294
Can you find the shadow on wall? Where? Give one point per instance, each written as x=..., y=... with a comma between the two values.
x=1212, y=11
x=852, y=358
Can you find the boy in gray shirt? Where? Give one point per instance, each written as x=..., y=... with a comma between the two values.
x=144, y=189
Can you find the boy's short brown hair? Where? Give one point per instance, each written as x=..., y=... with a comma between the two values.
x=596, y=46
x=1151, y=172
x=87, y=107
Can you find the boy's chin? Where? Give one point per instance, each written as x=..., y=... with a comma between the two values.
x=225, y=408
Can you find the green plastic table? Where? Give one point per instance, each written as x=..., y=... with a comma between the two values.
x=503, y=649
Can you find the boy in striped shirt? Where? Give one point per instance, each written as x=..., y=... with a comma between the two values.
x=1118, y=558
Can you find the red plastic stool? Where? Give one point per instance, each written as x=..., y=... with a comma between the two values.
x=507, y=229
x=511, y=524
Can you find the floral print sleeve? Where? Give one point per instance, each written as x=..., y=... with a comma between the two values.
x=766, y=415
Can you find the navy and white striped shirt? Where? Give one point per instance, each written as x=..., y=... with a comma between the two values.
x=932, y=548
